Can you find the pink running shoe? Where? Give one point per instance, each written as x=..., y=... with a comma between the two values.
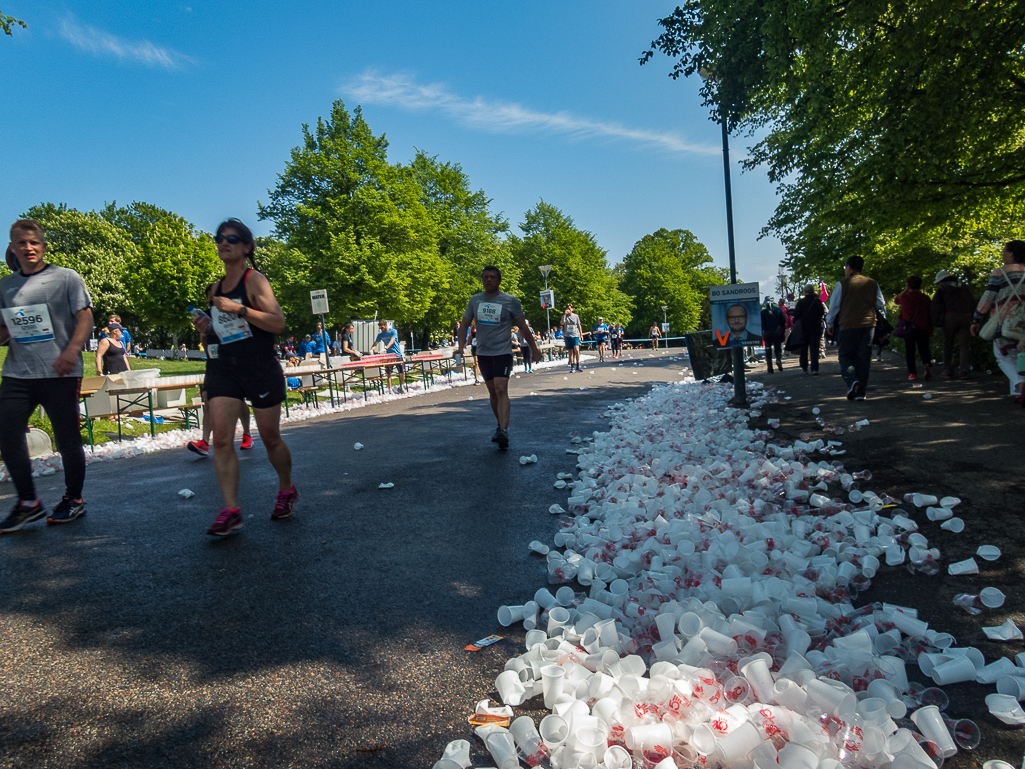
x=228, y=522
x=247, y=442
x=284, y=505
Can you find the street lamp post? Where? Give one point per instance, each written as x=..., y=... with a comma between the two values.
x=739, y=386
x=545, y=269
x=665, y=320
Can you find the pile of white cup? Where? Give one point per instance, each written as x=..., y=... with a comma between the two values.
x=716, y=623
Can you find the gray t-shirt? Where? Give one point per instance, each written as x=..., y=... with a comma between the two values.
x=571, y=325
x=495, y=316
x=39, y=312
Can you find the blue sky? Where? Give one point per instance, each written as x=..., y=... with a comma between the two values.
x=195, y=107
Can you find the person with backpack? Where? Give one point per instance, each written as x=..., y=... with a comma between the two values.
x=807, y=315
x=773, y=331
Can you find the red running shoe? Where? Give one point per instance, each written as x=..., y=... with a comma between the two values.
x=228, y=522
x=200, y=447
x=284, y=505
x=247, y=442
x=912, y=377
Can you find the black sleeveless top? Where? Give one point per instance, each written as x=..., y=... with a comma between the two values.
x=114, y=358
x=259, y=346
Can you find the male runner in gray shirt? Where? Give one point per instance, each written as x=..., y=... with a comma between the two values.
x=495, y=313
x=571, y=337
x=45, y=318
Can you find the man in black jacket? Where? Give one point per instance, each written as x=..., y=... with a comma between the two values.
x=809, y=312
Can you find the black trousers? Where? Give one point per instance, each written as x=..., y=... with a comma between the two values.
x=810, y=348
x=855, y=355
x=919, y=342
x=59, y=397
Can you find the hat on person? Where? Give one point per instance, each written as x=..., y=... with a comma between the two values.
x=942, y=275
x=309, y=336
x=116, y=327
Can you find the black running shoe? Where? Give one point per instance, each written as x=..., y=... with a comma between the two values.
x=494, y=438
x=20, y=516
x=66, y=511
x=859, y=394
x=502, y=438
x=852, y=391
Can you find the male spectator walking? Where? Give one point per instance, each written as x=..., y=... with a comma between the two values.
x=773, y=332
x=952, y=308
x=853, y=305
x=46, y=320
x=809, y=312
x=495, y=313
x=571, y=337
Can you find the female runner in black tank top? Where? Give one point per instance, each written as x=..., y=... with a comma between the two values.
x=110, y=355
x=244, y=317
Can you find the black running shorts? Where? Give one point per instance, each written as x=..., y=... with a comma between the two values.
x=495, y=366
x=262, y=383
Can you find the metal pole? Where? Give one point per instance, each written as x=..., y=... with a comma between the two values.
x=739, y=386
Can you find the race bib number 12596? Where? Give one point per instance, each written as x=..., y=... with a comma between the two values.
x=29, y=323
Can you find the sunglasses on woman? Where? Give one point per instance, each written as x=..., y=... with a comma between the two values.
x=231, y=239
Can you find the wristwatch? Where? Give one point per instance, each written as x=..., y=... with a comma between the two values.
x=242, y=311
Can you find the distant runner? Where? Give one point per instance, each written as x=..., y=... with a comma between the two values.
x=46, y=319
x=601, y=336
x=494, y=313
x=241, y=365
x=571, y=330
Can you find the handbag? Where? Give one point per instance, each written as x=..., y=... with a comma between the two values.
x=905, y=329
x=997, y=324
x=796, y=339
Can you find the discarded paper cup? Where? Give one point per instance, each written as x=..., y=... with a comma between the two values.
x=938, y=513
x=955, y=525
x=991, y=597
x=528, y=740
x=930, y=724
x=552, y=678
x=617, y=757
x=838, y=700
x=509, y=614
x=950, y=502
x=458, y=751
x=1013, y=686
x=553, y=730
x=988, y=552
x=954, y=671
x=502, y=748
x=545, y=598
x=966, y=734
x=510, y=688
x=967, y=566
x=924, y=500
x=758, y=675
x=794, y=755
x=558, y=617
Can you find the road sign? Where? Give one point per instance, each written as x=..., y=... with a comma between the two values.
x=318, y=299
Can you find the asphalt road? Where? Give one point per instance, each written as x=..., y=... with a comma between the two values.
x=130, y=638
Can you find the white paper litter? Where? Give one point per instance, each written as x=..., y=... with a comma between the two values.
x=186, y=494
x=386, y=486
x=1006, y=632
x=358, y=446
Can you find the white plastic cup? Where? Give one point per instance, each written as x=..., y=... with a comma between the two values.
x=838, y=700
x=690, y=624
x=929, y=721
x=924, y=500
x=718, y=643
x=617, y=757
x=458, y=751
x=988, y=552
x=591, y=741
x=950, y=502
x=955, y=525
x=552, y=680
x=650, y=738
x=757, y=674
x=502, y=748
x=794, y=755
x=544, y=598
x=967, y=566
x=528, y=739
x=955, y=671
x=991, y=597
x=509, y=614
x=938, y=513
x=558, y=617
x=666, y=624
x=1013, y=686
x=564, y=595
x=554, y=730
x=510, y=688
x=907, y=624
x=703, y=740
x=739, y=743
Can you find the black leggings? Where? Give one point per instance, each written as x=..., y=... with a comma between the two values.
x=59, y=397
x=919, y=341
x=527, y=356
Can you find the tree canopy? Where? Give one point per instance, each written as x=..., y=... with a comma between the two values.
x=8, y=22
x=882, y=123
x=580, y=272
x=674, y=269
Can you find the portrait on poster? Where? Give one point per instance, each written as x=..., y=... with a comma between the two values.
x=736, y=315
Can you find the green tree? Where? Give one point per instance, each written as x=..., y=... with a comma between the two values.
x=671, y=268
x=353, y=224
x=882, y=122
x=97, y=250
x=7, y=22
x=580, y=274
x=468, y=238
x=176, y=264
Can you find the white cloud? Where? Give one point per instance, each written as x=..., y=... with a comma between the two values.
x=101, y=43
x=401, y=90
